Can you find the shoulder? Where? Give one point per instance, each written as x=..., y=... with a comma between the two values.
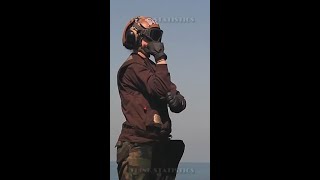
x=136, y=62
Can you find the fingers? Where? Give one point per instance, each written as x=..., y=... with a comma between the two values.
x=173, y=102
x=169, y=96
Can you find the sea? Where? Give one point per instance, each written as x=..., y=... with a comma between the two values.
x=185, y=171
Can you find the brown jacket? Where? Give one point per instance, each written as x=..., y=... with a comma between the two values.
x=143, y=86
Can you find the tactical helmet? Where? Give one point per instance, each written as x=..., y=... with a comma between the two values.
x=138, y=28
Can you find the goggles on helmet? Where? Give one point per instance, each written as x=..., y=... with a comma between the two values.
x=153, y=34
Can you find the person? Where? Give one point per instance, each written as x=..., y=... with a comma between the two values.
x=145, y=150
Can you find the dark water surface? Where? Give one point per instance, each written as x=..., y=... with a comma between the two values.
x=186, y=171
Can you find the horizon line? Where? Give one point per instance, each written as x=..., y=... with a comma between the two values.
x=180, y=162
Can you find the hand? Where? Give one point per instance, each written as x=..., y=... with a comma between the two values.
x=157, y=50
x=172, y=100
x=176, y=103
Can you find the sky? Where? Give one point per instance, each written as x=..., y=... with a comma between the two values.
x=186, y=38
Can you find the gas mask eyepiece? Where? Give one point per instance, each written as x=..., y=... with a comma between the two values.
x=152, y=34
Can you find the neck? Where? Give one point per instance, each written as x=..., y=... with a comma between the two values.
x=142, y=53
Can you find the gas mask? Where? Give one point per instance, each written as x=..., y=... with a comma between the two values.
x=152, y=36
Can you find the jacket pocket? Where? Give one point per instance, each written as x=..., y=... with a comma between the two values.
x=151, y=120
x=143, y=109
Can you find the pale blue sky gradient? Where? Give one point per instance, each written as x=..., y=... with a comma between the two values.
x=187, y=45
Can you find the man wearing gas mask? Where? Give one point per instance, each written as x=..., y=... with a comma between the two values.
x=145, y=150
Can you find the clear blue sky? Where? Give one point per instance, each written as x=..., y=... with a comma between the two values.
x=187, y=45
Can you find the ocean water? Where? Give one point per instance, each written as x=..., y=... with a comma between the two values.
x=186, y=171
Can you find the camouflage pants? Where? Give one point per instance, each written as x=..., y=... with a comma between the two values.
x=149, y=161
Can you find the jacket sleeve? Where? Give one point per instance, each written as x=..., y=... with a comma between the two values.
x=182, y=101
x=156, y=83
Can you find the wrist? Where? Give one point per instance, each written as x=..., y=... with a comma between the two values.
x=162, y=61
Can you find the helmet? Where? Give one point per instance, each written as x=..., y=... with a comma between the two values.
x=138, y=28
